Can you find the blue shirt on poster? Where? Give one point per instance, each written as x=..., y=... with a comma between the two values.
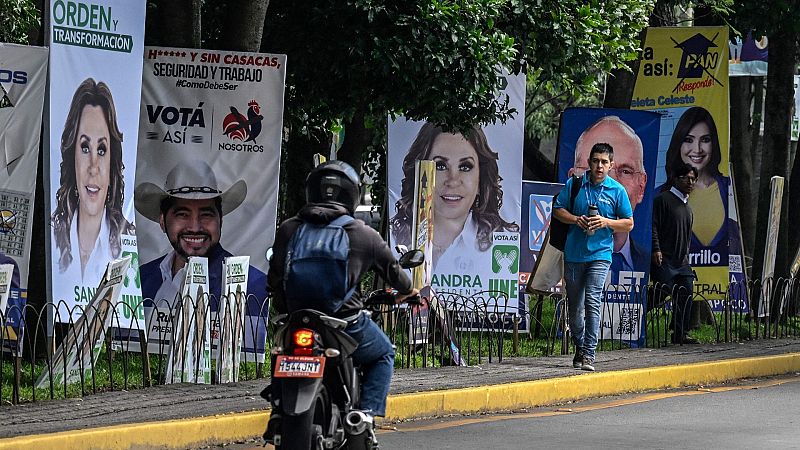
x=612, y=202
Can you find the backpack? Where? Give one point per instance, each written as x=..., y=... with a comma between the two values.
x=558, y=229
x=316, y=275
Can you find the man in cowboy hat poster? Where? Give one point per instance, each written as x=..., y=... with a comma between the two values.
x=189, y=208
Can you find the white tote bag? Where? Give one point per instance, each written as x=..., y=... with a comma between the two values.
x=548, y=271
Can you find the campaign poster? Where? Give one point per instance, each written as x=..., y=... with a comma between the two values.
x=189, y=356
x=537, y=212
x=228, y=326
x=23, y=75
x=748, y=57
x=209, y=143
x=738, y=295
x=683, y=75
x=95, y=81
x=476, y=202
x=423, y=221
x=78, y=353
x=634, y=137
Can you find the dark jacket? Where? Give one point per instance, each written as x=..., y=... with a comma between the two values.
x=367, y=251
x=150, y=274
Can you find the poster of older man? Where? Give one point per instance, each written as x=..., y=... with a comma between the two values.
x=633, y=135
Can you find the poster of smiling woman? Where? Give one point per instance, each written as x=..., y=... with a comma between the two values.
x=95, y=83
x=684, y=76
x=476, y=199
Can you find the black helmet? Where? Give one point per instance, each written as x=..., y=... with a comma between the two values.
x=334, y=182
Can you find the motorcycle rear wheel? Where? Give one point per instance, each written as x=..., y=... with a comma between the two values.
x=306, y=431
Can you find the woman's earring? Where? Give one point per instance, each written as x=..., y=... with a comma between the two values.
x=477, y=203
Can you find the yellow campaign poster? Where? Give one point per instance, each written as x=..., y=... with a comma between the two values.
x=683, y=75
x=423, y=220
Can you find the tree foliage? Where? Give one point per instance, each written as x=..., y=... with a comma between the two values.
x=18, y=18
x=360, y=60
x=438, y=60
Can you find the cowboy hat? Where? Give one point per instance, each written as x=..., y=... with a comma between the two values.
x=192, y=179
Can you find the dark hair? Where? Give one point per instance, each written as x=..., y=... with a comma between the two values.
x=688, y=120
x=683, y=168
x=602, y=148
x=486, y=211
x=89, y=93
x=169, y=202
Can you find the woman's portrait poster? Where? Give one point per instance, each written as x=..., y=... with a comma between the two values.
x=693, y=97
x=93, y=133
x=476, y=200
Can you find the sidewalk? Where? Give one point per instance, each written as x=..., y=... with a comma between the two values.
x=185, y=415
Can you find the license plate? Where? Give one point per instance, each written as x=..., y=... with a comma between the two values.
x=299, y=366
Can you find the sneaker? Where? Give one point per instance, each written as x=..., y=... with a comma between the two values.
x=587, y=364
x=577, y=360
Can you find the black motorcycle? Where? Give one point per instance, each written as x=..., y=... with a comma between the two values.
x=315, y=386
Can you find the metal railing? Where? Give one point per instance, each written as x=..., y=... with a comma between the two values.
x=453, y=329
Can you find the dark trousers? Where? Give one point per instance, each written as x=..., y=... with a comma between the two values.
x=681, y=291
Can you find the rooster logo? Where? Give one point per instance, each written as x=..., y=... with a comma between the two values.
x=238, y=127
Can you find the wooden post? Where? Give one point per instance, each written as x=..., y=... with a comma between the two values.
x=727, y=318
x=17, y=378
x=515, y=336
x=147, y=380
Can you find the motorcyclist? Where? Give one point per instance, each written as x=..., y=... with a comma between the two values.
x=332, y=190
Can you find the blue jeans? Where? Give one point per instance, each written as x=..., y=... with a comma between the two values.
x=585, y=282
x=375, y=356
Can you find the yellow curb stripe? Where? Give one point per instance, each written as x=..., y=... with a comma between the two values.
x=241, y=426
x=170, y=434
x=597, y=384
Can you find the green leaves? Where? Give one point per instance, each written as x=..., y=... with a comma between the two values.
x=17, y=19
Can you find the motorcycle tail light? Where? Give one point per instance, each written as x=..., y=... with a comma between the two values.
x=303, y=341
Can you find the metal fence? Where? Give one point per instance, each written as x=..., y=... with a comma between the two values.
x=452, y=330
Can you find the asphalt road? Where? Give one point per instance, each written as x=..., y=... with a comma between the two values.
x=751, y=414
x=761, y=413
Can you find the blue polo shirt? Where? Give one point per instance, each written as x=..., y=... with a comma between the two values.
x=612, y=202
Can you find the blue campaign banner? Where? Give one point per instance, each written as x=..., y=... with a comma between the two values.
x=634, y=135
x=14, y=328
x=537, y=207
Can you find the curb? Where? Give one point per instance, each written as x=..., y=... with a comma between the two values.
x=184, y=433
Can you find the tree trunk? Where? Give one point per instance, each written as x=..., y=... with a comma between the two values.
x=298, y=160
x=741, y=158
x=775, y=157
x=356, y=139
x=619, y=86
x=794, y=199
x=173, y=24
x=244, y=26
x=620, y=83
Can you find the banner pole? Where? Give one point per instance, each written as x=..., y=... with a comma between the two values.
x=146, y=375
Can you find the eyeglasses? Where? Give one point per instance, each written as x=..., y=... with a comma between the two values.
x=687, y=179
x=624, y=173
x=194, y=189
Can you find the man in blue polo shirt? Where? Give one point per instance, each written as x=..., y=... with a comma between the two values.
x=590, y=242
